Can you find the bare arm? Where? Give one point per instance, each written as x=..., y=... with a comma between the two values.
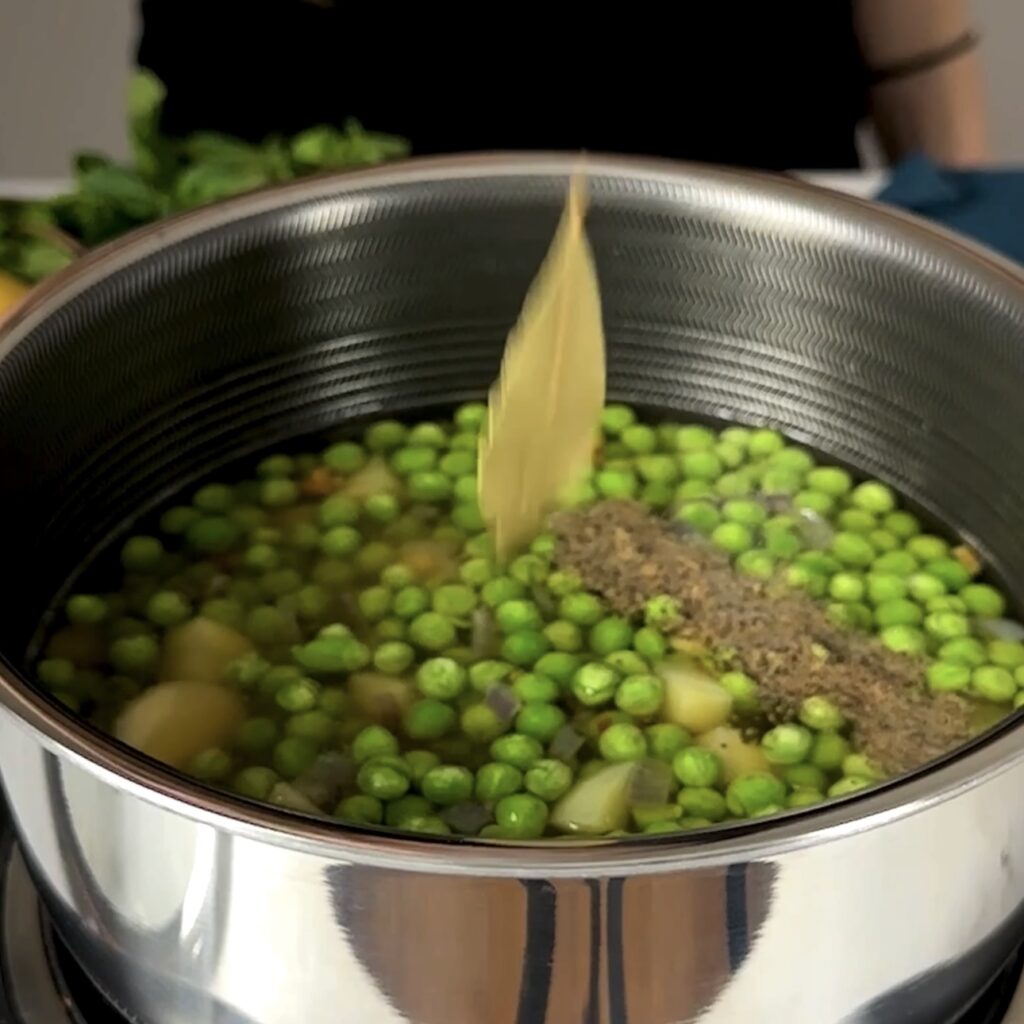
x=941, y=110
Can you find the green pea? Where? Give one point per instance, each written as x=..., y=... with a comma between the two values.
x=316, y=724
x=142, y=554
x=610, y=634
x=135, y=654
x=278, y=493
x=521, y=816
x=405, y=808
x=294, y=755
x=732, y=538
x=525, y=647
x=385, y=435
x=428, y=719
x=702, y=802
x=583, y=609
x=898, y=612
x=548, y=779
x=946, y=625
x=904, y=639
x=517, y=750
x=393, y=657
x=441, y=678
x=558, y=665
x=925, y=547
x=340, y=541
x=211, y=765
x=500, y=590
x=178, y=519
x=924, y=587
x=373, y=741
x=298, y=695
x=532, y=687
x=563, y=636
x=828, y=751
x=701, y=465
x=965, y=651
x=447, y=784
x=848, y=785
x=757, y=563
x=787, y=744
x=255, y=782
x=256, y=735
x=480, y=723
x=496, y=780
x=640, y=695
x=594, y=684
x=382, y=781
x=518, y=614
x=993, y=683
x=983, y=600
x=805, y=776
x=830, y=480
x=902, y=524
x=622, y=741
x=360, y=809
x=948, y=676
x=896, y=563
x=695, y=766
x=616, y=484
x=749, y=794
x=213, y=535
x=821, y=715
x=432, y=631
x=847, y=586
x=328, y=655
x=702, y=516
x=86, y=609
x=883, y=587
x=814, y=501
x=853, y=549
x=540, y=721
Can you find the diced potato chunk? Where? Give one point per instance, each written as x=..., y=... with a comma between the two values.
x=432, y=561
x=79, y=643
x=201, y=650
x=596, y=805
x=375, y=477
x=380, y=697
x=738, y=757
x=175, y=721
x=692, y=698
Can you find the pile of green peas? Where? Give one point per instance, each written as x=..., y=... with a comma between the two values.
x=377, y=638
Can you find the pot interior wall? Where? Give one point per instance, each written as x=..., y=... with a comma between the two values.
x=755, y=302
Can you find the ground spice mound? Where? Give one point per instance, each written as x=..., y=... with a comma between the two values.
x=780, y=636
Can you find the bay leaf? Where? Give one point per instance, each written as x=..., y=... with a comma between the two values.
x=545, y=407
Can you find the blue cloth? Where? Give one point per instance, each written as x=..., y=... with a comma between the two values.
x=987, y=206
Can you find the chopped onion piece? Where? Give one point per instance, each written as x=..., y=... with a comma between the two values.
x=502, y=700
x=327, y=778
x=777, y=504
x=467, y=818
x=1001, y=629
x=815, y=530
x=651, y=783
x=483, y=639
x=287, y=796
x=566, y=743
x=544, y=601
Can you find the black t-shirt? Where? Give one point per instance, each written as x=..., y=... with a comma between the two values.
x=769, y=85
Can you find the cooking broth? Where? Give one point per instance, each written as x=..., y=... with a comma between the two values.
x=717, y=626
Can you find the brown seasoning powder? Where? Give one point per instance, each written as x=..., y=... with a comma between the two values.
x=780, y=636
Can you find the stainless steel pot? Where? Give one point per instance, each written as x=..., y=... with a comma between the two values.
x=872, y=336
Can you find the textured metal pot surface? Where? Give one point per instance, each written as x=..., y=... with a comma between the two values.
x=877, y=339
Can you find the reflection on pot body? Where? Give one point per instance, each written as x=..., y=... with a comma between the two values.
x=283, y=313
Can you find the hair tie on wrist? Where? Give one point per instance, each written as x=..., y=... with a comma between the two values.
x=924, y=61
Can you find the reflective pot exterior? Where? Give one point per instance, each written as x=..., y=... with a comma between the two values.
x=154, y=363
x=186, y=921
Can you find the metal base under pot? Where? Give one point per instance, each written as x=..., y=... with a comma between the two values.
x=880, y=340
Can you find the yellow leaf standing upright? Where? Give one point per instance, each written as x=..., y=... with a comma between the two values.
x=545, y=407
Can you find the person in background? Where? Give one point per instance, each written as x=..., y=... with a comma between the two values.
x=774, y=85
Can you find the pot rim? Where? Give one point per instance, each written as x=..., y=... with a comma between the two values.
x=66, y=736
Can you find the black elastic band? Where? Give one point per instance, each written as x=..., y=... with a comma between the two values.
x=925, y=61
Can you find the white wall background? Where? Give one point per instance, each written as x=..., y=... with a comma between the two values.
x=63, y=65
